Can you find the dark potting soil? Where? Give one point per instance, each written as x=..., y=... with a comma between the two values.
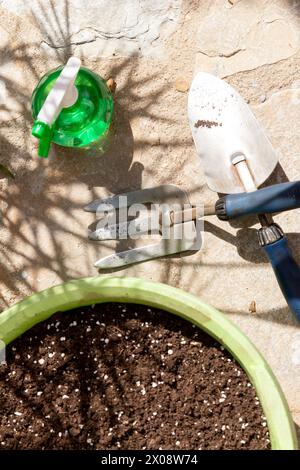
x=116, y=376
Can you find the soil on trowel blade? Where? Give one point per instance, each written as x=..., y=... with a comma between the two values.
x=205, y=123
x=116, y=376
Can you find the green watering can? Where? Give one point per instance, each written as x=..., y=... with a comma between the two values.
x=71, y=106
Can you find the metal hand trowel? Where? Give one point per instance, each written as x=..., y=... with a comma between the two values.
x=237, y=157
x=224, y=128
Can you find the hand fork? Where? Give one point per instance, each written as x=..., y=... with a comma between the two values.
x=184, y=235
x=276, y=198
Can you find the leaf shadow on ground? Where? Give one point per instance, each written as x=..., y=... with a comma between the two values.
x=40, y=208
x=42, y=204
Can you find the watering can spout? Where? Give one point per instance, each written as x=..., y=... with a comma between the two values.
x=43, y=132
x=63, y=95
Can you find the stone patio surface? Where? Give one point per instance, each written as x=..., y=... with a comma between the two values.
x=152, y=48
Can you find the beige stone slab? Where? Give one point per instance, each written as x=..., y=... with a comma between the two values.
x=101, y=28
x=246, y=35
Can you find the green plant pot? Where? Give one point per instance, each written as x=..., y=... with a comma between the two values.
x=38, y=307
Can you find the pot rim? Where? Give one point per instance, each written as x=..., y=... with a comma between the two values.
x=40, y=306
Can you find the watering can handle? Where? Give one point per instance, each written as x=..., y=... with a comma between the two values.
x=276, y=198
x=284, y=265
x=62, y=95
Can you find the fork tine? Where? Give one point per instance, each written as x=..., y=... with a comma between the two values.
x=111, y=232
x=101, y=206
x=123, y=230
x=119, y=201
x=149, y=252
x=141, y=196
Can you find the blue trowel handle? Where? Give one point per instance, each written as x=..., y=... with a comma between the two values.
x=277, y=198
x=284, y=265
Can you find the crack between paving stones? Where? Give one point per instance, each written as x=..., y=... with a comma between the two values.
x=100, y=35
x=76, y=43
x=262, y=66
x=230, y=54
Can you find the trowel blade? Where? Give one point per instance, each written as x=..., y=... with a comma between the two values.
x=223, y=126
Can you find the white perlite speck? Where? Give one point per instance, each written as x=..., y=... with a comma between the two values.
x=170, y=352
x=41, y=361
